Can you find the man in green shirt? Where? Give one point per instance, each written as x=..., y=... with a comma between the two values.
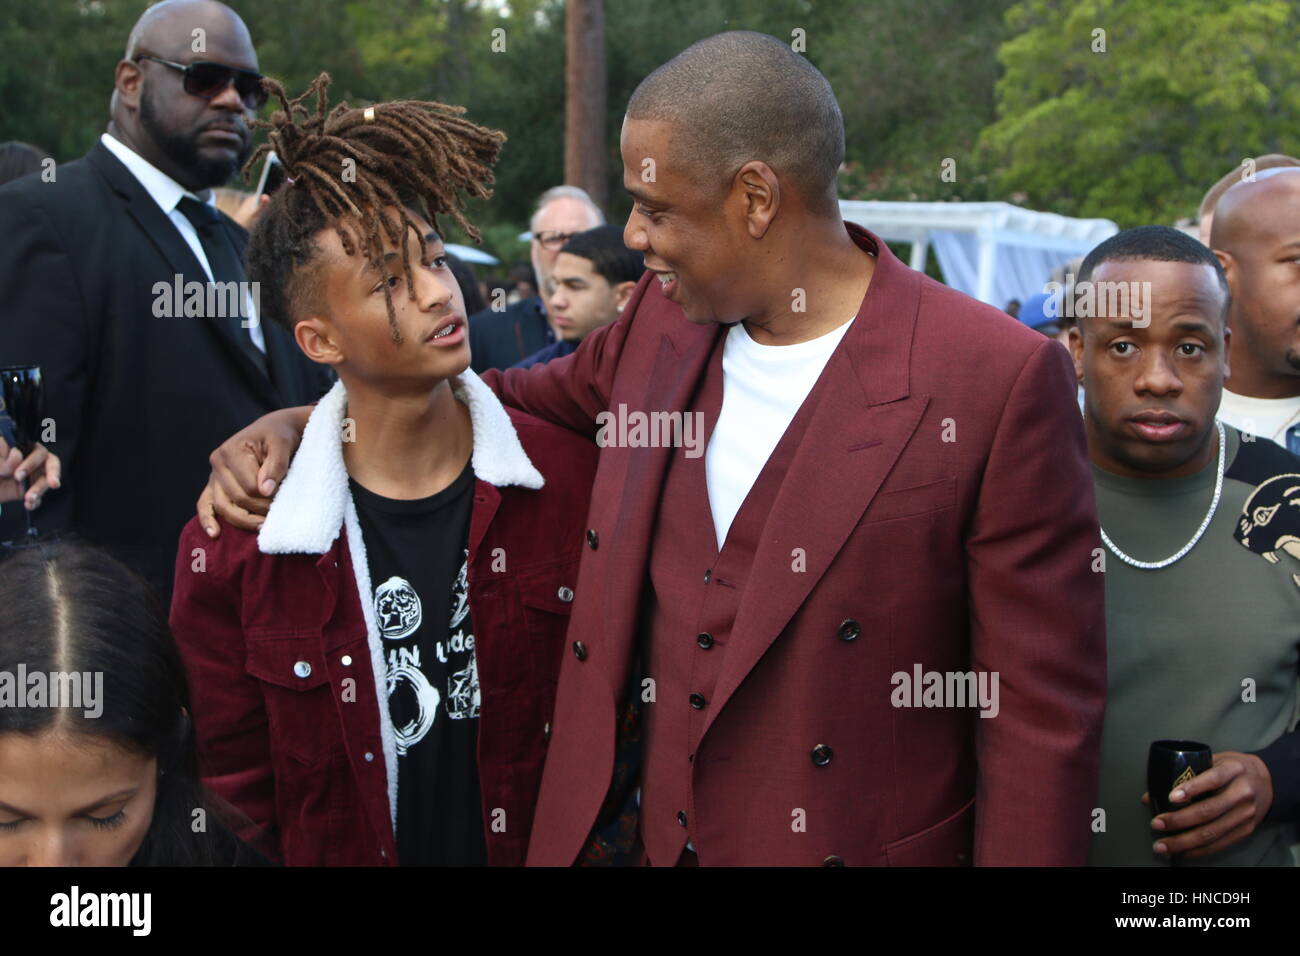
x=1201, y=535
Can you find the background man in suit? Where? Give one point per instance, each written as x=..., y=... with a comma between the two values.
x=139, y=387
x=500, y=339
x=592, y=280
x=894, y=509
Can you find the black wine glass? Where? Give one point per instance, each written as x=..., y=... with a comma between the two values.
x=22, y=392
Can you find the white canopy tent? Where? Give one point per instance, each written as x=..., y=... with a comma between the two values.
x=993, y=251
x=471, y=254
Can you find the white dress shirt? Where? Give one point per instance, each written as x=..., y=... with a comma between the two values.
x=168, y=193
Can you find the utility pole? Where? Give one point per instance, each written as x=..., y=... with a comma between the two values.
x=584, y=89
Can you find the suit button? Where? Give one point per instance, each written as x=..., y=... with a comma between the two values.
x=705, y=641
x=565, y=594
x=698, y=701
x=833, y=861
x=546, y=731
x=849, y=630
x=370, y=757
x=580, y=650
x=708, y=575
x=302, y=669
x=821, y=755
x=681, y=817
x=347, y=660
x=592, y=541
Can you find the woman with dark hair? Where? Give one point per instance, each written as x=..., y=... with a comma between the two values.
x=97, y=757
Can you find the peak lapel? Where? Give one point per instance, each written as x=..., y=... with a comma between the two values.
x=680, y=364
x=861, y=422
x=171, y=245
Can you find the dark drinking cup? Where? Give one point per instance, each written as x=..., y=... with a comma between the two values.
x=23, y=398
x=1172, y=763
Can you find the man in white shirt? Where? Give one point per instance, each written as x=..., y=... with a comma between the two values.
x=1256, y=235
x=121, y=280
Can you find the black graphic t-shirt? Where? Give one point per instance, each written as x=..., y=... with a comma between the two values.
x=418, y=562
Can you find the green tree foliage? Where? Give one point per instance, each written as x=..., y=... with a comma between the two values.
x=56, y=70
x=1183, y=91
x=915, y=83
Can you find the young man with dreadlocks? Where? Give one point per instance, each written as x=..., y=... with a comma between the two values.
x=374, y=669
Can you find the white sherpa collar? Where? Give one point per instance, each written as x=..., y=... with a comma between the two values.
x=308, y=510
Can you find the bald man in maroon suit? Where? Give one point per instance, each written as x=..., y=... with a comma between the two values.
x=840, y=546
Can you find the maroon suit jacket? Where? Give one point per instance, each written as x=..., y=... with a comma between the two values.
x=943, y=500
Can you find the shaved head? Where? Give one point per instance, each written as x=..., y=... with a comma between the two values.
x=1256, y=235
x=742, y=96
x=166, y=28
x=197, y=140
x=1205, y=215
x=1248, y=211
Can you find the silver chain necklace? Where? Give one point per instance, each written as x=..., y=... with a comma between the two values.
x=1209, y=516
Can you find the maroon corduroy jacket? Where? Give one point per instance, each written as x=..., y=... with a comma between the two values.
x=282, y=653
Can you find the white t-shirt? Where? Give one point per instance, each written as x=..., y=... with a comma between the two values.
x=1266, y=417
x=762, y=389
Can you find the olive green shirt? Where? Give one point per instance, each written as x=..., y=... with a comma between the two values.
x=1204, y=649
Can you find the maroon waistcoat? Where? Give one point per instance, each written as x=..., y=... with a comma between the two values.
x=689, y=613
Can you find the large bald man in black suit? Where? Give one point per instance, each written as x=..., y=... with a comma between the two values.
x=140, y=391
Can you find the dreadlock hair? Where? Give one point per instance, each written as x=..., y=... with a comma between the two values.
x=344, y=169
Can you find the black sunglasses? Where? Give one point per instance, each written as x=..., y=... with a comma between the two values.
x=210, y=80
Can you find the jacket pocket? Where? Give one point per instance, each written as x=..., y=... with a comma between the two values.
x=301, y=715
x=917, y=500
x=551, y=589
x=546, y=596
x=946, y=843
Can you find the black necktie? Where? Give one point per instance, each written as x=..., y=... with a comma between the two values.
x=225, y=266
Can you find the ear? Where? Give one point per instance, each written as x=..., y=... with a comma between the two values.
x=758, y=186
x=623, y=292
x=1227, y=351
x=314, y=336
x=127, y=82
x=1229, y=269
x=1076, y=352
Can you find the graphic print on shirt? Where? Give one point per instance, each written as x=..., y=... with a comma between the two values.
x=412, y=698
x=462, y=685
x=1270, y=521
x=397, y=608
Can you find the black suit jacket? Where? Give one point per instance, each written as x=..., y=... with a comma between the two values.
x=137, y=401
x=500, y=339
